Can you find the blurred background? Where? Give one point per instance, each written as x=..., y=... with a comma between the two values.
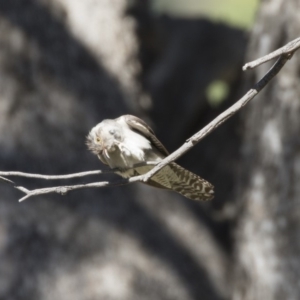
x=66, y=65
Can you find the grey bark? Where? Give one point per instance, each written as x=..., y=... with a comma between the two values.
x=65, y=66
x=267, y=251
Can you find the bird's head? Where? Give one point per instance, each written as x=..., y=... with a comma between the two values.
x=104, y=137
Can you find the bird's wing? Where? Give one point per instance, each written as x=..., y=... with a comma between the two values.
x=142, y=128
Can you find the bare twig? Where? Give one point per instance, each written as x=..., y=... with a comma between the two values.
x=66, y=188
x=6, y=180
x=285, y=54
x=58, y=189
x=289, y=48
x=67, y=176
x=55, y=177
x=196, y=138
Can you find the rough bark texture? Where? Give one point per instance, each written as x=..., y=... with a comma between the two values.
x=64, y=66
x=268, y=245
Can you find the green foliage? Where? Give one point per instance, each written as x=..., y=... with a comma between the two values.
x=216, y=92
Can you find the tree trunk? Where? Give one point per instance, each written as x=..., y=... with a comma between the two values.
x=268, y=247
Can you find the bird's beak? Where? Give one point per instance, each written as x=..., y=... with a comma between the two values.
x=106, y=153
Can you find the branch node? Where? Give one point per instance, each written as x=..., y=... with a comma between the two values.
x=62, y=190
x=192, y=140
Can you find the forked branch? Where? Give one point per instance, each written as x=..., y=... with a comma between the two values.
x=284, y=53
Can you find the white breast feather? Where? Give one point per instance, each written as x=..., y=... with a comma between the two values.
x=135, y=145
x=134, y=148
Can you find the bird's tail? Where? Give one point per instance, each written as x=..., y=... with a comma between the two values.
x=184, y=182
x=191, y=185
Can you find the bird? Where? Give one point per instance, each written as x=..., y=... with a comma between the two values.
x=128, y=145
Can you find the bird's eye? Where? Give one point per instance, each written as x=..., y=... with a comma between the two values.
x=98, y=140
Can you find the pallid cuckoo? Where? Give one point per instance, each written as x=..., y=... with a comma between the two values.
x=126, y=143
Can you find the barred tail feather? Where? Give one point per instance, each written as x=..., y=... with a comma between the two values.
x=174, y=177
x=191, y=185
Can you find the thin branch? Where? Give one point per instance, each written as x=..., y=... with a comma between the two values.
x=68, y=176
x=58, y=189
x=196, y=138
x=285, y=52
x=55, y=177
x=67, y=188
x=289, y=48
x=6, y=180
